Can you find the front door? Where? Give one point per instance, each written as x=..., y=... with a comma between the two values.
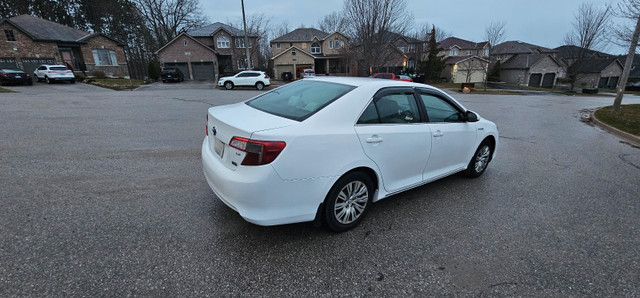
x=67, y=57
x=394, y=137
x=452, y=138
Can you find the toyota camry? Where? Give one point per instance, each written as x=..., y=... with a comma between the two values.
x=324, y=149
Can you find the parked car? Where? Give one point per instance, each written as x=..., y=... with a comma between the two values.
x=171, y=74
x=247, y=78
x=286, y=76
x=14, y=76
x=633, y=86
x=308, y=73
x=391, y=76
x=324, y=149
x=53, y=72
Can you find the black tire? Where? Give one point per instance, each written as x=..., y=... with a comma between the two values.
x=73, y=81
x=164, y=81
x=352, y=193
x=46, y=79
x=37, y=78
x=480, y=160
x=259, y=85
x=228, y=85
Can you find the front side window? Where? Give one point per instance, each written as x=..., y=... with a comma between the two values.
x=299, y=100
x=315, y=48
x=9, y=35
x=398, y=107
x=104, y=57
x=223, y=42
x=439, y=110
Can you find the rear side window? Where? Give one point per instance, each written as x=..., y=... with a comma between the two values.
x=59, y=68
x=299, y=100
x=396, y=107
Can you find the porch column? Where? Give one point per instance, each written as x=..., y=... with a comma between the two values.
x=327, y=67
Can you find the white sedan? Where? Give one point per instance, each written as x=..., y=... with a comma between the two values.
x=324, y=149
x=247, y=78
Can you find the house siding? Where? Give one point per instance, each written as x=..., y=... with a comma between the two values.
x=178, y=52
x=101, y=42
x=233, y=51
x=288, y=62
x=25, y=47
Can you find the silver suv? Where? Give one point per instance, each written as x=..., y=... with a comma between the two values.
x=52, y=72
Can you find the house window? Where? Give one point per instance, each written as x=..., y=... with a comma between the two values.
x=468, y=52
x=105, y=57
x=337, y=43
x=240, y=43
x=315, y=48
x=453, y=52
x=242, y=63
x=184, y=42
x=485, y=52
x=331, y=44
x=293, y=52
x=223, y=42
x=401, y=49
x=277, y=45
x=411, y=48
x=304, y=45
x=9, y=35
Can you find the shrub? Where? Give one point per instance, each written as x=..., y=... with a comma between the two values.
x=153, y=70
x=80, y=77
x=99, y=74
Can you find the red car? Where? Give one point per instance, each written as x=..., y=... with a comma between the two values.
x=391, y=76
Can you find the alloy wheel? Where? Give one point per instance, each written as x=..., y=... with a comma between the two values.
x=351, y=202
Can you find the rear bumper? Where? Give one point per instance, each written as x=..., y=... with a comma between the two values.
x=259, y=195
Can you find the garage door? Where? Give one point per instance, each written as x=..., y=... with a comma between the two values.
x=8, y=63
x=613, y=82
x=203, y=70
x=547, y=80
x=30, y=64
x=182, y=66
x=534, y=80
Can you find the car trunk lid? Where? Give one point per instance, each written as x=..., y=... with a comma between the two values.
x=238, y=120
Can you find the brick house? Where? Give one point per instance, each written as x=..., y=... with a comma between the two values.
x=305, y=48
x=208, y=52
x=596, y=70
x=27, y=41
x=527, y=64
x=465, y=61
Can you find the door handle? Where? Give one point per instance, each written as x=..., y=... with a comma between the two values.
x=374, y=139
x=437, y=134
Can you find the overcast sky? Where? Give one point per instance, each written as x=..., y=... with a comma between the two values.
x=541, y=22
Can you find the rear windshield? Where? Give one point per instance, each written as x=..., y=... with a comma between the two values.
x=299, y=100
x=11, y=70
x=59, y=68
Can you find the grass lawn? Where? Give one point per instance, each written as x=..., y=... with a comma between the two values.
x=117, y=84
x=628, y=120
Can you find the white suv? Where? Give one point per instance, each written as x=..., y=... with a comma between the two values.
x=52, y=72
x=252, y=78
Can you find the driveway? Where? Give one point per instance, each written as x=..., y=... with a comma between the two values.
x=103, y=195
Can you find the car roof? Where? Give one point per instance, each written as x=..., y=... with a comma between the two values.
x=370, y=82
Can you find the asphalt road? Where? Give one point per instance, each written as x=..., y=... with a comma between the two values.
x=103, y=195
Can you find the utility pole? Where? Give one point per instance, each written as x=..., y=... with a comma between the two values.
x=246, y=38
x=627, y=68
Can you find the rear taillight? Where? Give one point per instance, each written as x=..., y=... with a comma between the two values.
x=266, y=76
x=206, y=126
x=258, y=152
x=28, y=75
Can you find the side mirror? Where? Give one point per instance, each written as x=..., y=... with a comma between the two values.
x=471, y=116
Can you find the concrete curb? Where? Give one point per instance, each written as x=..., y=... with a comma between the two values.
x=624, y=135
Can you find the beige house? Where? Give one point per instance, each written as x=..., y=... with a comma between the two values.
x=27, y=41
x=309, y=48
x=465, y=61
x=209, y=52
x=527, y=64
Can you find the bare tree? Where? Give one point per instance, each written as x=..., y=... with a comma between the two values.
x=589, y=33
x=471, y=66
x=166, y=18
x=494, y=33
x=281, y=29
x=631, y=10
x=333, y=22
x=257, y=25
x=373, y=26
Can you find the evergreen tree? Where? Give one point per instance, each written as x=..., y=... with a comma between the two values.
x=432, y=68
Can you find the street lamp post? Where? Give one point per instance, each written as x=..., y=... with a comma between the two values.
x=246, y=38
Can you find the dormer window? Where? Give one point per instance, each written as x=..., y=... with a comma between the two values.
x=223, y=42
x=184, y=42
x=293, y=52
x=468, y=52
x=453, y=52
x=9, y=35
x=277, y=45
x=315, y=48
